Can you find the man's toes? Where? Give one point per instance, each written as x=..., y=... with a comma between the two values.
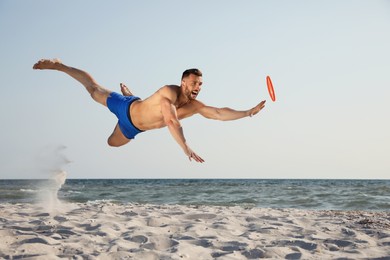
x=47, y=64
x=125, y=90
x=37, y=65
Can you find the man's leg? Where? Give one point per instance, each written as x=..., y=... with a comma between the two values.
x=97, y=92
x=117, y=138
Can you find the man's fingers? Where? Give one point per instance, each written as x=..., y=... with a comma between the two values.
x=196, y=158
x=262, y=104
x=257, y=108
x=199, y=158
x=191, y=155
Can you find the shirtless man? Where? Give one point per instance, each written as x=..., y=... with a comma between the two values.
x=165, y=107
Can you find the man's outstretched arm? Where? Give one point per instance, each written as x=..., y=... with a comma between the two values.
x=170, y=118
x=226, y=114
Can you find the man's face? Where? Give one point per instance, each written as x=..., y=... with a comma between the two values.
x=191, y=86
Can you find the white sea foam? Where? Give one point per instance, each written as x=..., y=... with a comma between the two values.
x=28, y=190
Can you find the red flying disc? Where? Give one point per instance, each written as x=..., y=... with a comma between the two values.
x=271, y=90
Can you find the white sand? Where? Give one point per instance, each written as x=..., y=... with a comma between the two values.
x=109, y=231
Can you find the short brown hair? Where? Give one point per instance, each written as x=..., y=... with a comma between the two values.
x=188, y=72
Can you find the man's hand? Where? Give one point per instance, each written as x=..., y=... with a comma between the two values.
x=192, y=155
x=257, y=108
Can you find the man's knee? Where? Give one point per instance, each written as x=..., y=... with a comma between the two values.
x=99, y=94
x=113, y=142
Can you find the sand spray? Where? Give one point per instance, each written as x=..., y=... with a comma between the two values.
x=52, y=160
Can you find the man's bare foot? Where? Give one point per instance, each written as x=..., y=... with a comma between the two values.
x=125, y=90
x=46, y=64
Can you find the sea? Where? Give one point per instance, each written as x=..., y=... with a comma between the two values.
x=265, y=193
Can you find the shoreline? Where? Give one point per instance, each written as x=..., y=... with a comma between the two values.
x=105, y=230
x=302, y=194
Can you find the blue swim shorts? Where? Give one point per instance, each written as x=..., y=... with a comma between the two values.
x=119, y=105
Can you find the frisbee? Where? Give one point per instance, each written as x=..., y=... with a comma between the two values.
x=271, y=90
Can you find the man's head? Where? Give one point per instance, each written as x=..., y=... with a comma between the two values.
x=191, y=82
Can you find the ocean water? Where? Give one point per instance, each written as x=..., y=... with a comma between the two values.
x=265, y=193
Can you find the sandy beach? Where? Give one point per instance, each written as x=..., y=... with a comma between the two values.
x=103, y=230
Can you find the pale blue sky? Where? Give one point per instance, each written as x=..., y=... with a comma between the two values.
x=329, y=61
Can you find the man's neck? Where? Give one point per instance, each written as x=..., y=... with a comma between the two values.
x=181, y=99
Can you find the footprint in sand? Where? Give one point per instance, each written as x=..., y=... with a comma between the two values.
x=201, y=216
x=160, y=243
x=254, y=254
x=137, y=239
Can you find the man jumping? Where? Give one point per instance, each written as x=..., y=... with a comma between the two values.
x=165, y=107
